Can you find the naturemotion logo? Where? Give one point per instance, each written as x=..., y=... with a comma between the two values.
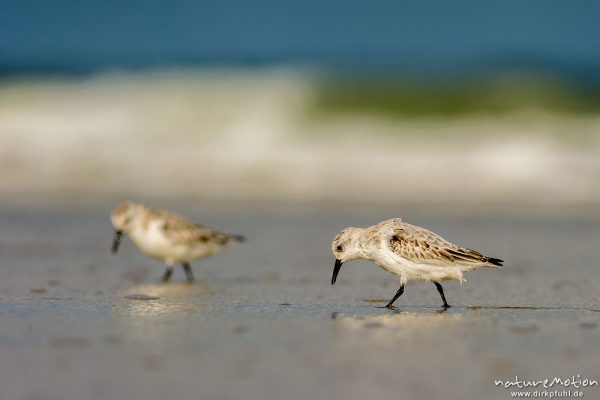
x=543, y=386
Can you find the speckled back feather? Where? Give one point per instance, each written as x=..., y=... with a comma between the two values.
x=421, y=245
x=180, y=230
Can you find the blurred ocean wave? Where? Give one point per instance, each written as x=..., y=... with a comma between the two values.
x=486, y=94
x=286, y=135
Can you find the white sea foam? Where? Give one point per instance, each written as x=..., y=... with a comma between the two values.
x=253, y=135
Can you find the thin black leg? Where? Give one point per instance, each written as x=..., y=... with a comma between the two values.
x=188, y=272
x=167, y=275
x=398, y=294
x=441, y=292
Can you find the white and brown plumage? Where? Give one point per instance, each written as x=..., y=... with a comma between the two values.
x=408, y=251
x=167, y=236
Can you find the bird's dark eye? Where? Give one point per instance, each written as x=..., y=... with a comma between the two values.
x=339, y=248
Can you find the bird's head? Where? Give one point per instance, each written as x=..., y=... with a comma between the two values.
x=122, y=218
x=346, y=247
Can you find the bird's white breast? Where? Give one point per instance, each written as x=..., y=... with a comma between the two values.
x=151, y=240
x=409, y=270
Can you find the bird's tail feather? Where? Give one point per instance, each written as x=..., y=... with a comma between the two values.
x=474, y=258
x=494, y=262
x=237, y=238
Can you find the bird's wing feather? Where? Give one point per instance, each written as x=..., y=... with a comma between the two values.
x=180, y=230
x=422, y=246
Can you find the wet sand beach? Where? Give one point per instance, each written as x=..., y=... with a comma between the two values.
x=263, y=320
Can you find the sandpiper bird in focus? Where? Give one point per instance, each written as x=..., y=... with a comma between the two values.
x=408, y=251
x=167, y=236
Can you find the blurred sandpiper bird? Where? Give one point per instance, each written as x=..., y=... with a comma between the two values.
x=408, y=251
x=167, y=236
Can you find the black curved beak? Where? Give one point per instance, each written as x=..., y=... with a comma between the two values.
x=336, y=270
x=116, y=241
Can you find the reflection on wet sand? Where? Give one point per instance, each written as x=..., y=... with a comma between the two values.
x=409, y=326
x=171, y=290
x=150, y=308
x=156, y=300
x=150, y=312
